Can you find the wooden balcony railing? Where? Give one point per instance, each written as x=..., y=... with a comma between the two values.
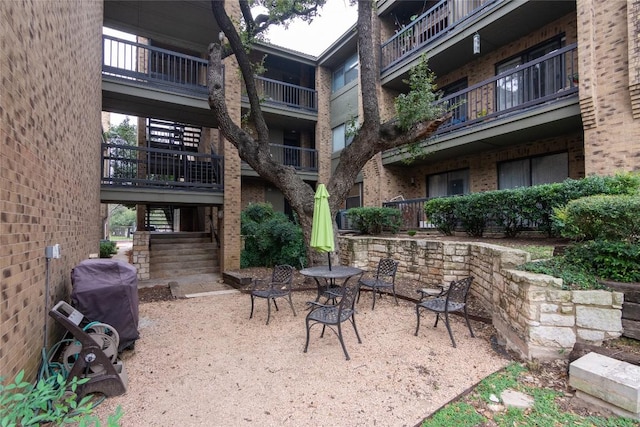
x=275, y=92
x=544, y=80
x=126, y=165
x=427, y=27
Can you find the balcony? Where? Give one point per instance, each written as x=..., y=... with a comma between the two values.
x=426, y=28
x=140, y=174
x=285, y=95
x=535, y=100
x=546, y=79
x=303, y=160
x=146, y=81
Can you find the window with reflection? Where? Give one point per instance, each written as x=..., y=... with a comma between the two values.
x=533, y=171
x=345, y=73
x=522, y=83
x=449, y=183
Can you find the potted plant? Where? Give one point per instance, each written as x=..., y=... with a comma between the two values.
x=574, y=78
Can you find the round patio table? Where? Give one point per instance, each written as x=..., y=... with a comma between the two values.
x=326, y=277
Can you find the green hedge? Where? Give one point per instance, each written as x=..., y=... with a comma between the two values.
x=375, y=220
x=514, y=210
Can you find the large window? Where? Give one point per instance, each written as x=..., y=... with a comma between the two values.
x=529, y=83
x=345, y=73
x=533, y=171
x=448, y=183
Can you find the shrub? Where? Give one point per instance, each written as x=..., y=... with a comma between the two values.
x=600, y=217
x=107, y=248
x=52, y=401
x=473, y=211
x=573, y=276
x=270, y=238
x=516, y=209
x=613, y=260
x=374, y=220
x=441, y=213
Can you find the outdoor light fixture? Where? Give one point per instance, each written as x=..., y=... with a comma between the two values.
x=476, y=43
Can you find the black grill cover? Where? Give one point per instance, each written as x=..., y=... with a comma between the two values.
x=106, y=291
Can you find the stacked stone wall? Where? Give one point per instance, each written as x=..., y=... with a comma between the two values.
x=531, y=312
x=50, y=133
x=142, y=254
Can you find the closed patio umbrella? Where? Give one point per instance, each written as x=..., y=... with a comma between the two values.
x=322, y=226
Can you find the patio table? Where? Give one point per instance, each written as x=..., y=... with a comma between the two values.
x=326, y=277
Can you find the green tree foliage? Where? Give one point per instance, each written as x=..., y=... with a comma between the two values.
x=125, y=132
x=120, y=138
x=419, y=104
x=270, y=238
x=121, y=216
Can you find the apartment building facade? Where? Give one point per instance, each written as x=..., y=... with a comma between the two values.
x=539, y=91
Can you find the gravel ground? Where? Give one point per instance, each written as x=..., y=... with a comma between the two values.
x=203, y=362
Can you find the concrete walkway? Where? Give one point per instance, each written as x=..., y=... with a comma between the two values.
x=185, y=286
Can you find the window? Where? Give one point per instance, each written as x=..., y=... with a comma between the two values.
x=533, y=171
x=342, y=136
x=346, y=73
x=354, y=197
x=448, y=183
x=529, y=83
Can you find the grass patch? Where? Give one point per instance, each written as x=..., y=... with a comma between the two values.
x=545, y=412
x=537, y=252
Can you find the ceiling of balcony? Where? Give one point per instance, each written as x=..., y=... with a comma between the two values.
x=188, y=23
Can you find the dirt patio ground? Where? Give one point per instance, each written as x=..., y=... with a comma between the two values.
x=202, y=362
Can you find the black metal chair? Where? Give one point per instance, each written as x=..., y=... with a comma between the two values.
x=385, y=278
x=279, y=286
x=334, y=315
x=451, y=300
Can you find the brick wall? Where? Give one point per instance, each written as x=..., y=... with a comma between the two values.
x=609, y=85
x=50, y=130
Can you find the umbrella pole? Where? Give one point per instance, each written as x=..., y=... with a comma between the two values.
x=329, y=257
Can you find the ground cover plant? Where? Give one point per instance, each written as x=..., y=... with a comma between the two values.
x=552, y=405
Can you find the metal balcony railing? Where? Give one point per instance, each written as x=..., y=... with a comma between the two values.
x=141, y=167
x=413, y=216
x=547, y=79
x=427, y=27
x=152, y=66
x=302, y=159
x=275, y=92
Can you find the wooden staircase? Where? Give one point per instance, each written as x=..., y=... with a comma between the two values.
x=182, y=254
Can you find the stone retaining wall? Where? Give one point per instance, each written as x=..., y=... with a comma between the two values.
x=531, y=312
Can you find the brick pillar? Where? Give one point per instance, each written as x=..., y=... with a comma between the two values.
x=230, y=232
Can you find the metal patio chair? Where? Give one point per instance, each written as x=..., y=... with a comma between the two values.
x=452, y=300
x=385, y=278
x=334, y=315
x=279, y=286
